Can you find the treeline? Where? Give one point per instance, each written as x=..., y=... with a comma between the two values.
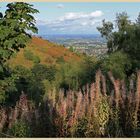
x=93, y=97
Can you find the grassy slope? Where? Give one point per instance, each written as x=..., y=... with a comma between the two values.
x=48, y=53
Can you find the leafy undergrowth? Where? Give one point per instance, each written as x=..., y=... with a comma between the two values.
x=92, y=114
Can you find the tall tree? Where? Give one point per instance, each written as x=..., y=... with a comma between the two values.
x=125, y=37
x=138, y=19
x=122, y=21
x=14, y=28
x=15, y=25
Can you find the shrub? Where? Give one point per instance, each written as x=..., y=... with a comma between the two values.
x=36, y=59
x=20, y=129
x=28, y=55
x=60, y=59
x=118, y=63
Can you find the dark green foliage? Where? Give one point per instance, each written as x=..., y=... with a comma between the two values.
x=125, y=38
x=13, y=85
x=89, y=66
x=30, y=81
x=106, y=29
x=36, y=59
x=60, y=59
x=1, y=15
x=36, y=88
x=7, y=84
x=75, y=75
x=122, y=21
x=15, y=25
x=138, y=19
x=42, y=72
x=43, y=127
x=118, y=63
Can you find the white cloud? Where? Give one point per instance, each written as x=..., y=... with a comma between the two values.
x=80, y=15
x=41, y=22
x=74, y=22
x=95, y=22
x=60, y=6
x=97, y=13
x=84, y=23
x=90, y=22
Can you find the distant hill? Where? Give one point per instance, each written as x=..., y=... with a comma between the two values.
x=44, y=50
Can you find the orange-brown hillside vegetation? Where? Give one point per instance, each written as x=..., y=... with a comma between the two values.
x=47, y=52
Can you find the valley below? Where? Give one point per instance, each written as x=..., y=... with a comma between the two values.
x=93, y=45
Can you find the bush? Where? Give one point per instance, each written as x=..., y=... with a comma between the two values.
x=20, y=129
x=36, y=59
x=118, y=63
x=71, y=49
x=30, y=56
x=60, y=59
x=43, y=72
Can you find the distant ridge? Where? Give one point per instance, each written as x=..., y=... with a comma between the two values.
x=61, y=38
x=72, y=36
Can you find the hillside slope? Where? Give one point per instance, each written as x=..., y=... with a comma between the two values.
x=48, y=53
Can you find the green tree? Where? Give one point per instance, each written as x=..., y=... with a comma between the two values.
x=117, y=63
x=15, y=25
x=75, y=75
x=36, y=87
x=138, y=19
x=122, y=21
x=124, y=38
x=42, y=72
x=115, y=39
x=106, y=29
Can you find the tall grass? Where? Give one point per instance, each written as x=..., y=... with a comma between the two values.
x=96, y=113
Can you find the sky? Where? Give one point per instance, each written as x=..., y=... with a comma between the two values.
x=77, y=17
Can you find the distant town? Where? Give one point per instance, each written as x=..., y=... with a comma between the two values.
x=93, y=45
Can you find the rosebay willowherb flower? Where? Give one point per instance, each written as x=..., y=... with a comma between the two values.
x=94, y=113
